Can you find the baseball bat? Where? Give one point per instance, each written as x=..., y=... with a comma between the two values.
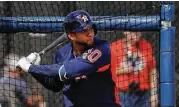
x=62, y=39
x=59, y=41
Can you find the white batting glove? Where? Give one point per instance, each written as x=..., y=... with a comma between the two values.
x=24, y=64
x=34, y=58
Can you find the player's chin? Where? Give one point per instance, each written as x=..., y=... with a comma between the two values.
x=90, y=42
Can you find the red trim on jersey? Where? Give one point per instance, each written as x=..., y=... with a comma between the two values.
x=104, y=68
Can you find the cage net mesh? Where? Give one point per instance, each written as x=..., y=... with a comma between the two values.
x=15, y=89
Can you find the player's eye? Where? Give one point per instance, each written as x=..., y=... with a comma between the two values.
x=89, y=29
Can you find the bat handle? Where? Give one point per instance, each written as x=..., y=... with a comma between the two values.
x=41, y=52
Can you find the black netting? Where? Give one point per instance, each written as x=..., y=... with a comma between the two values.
x=23, y=43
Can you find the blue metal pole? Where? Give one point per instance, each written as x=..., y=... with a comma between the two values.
x=167, y=67
x=54, y=24
x=167, y=57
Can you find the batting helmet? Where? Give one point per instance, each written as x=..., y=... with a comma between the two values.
x=78, y=21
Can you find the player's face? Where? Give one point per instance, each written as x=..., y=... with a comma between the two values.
x=85, y=37
x=132, y=37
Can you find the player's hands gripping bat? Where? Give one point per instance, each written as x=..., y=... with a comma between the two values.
x=34, y=58
x=25, y=63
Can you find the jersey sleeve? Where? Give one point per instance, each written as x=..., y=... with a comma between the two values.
x=46, y=70
x=50, y=79
x=89, y=62
x=51, y=83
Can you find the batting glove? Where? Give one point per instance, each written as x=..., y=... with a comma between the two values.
x=24, y=64
x=34, y=58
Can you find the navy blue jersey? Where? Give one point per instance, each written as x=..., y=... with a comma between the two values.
x=97, y=89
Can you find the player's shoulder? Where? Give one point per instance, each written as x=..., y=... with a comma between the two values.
x=102, y=47
x=101, y=43
x=64, y=49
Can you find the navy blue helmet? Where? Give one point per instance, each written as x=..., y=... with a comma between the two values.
x=78, y=21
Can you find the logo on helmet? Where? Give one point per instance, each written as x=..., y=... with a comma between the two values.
x=78, y=21
x=82, y=17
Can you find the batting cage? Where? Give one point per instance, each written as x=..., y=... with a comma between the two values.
x=140, y=35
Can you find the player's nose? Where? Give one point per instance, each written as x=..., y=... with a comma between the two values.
x=90, y=34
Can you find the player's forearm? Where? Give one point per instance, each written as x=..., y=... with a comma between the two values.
x=53, y=84
x=46, y=70
x=57, y=71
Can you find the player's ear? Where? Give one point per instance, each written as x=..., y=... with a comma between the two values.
x=71, y=36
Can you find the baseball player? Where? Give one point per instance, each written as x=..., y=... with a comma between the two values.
x=83, y=66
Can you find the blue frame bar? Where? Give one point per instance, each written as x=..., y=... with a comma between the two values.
x=54, y=24
x=167, y=67
x=167, y=57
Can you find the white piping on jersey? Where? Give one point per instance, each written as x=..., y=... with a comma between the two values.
x=60, y=73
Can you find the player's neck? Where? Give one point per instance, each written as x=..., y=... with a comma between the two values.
x=78, y=49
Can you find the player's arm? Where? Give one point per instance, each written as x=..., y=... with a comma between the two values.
x=51, y=83
x=98, y=58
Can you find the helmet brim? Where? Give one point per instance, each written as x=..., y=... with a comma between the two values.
x=82, y=28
